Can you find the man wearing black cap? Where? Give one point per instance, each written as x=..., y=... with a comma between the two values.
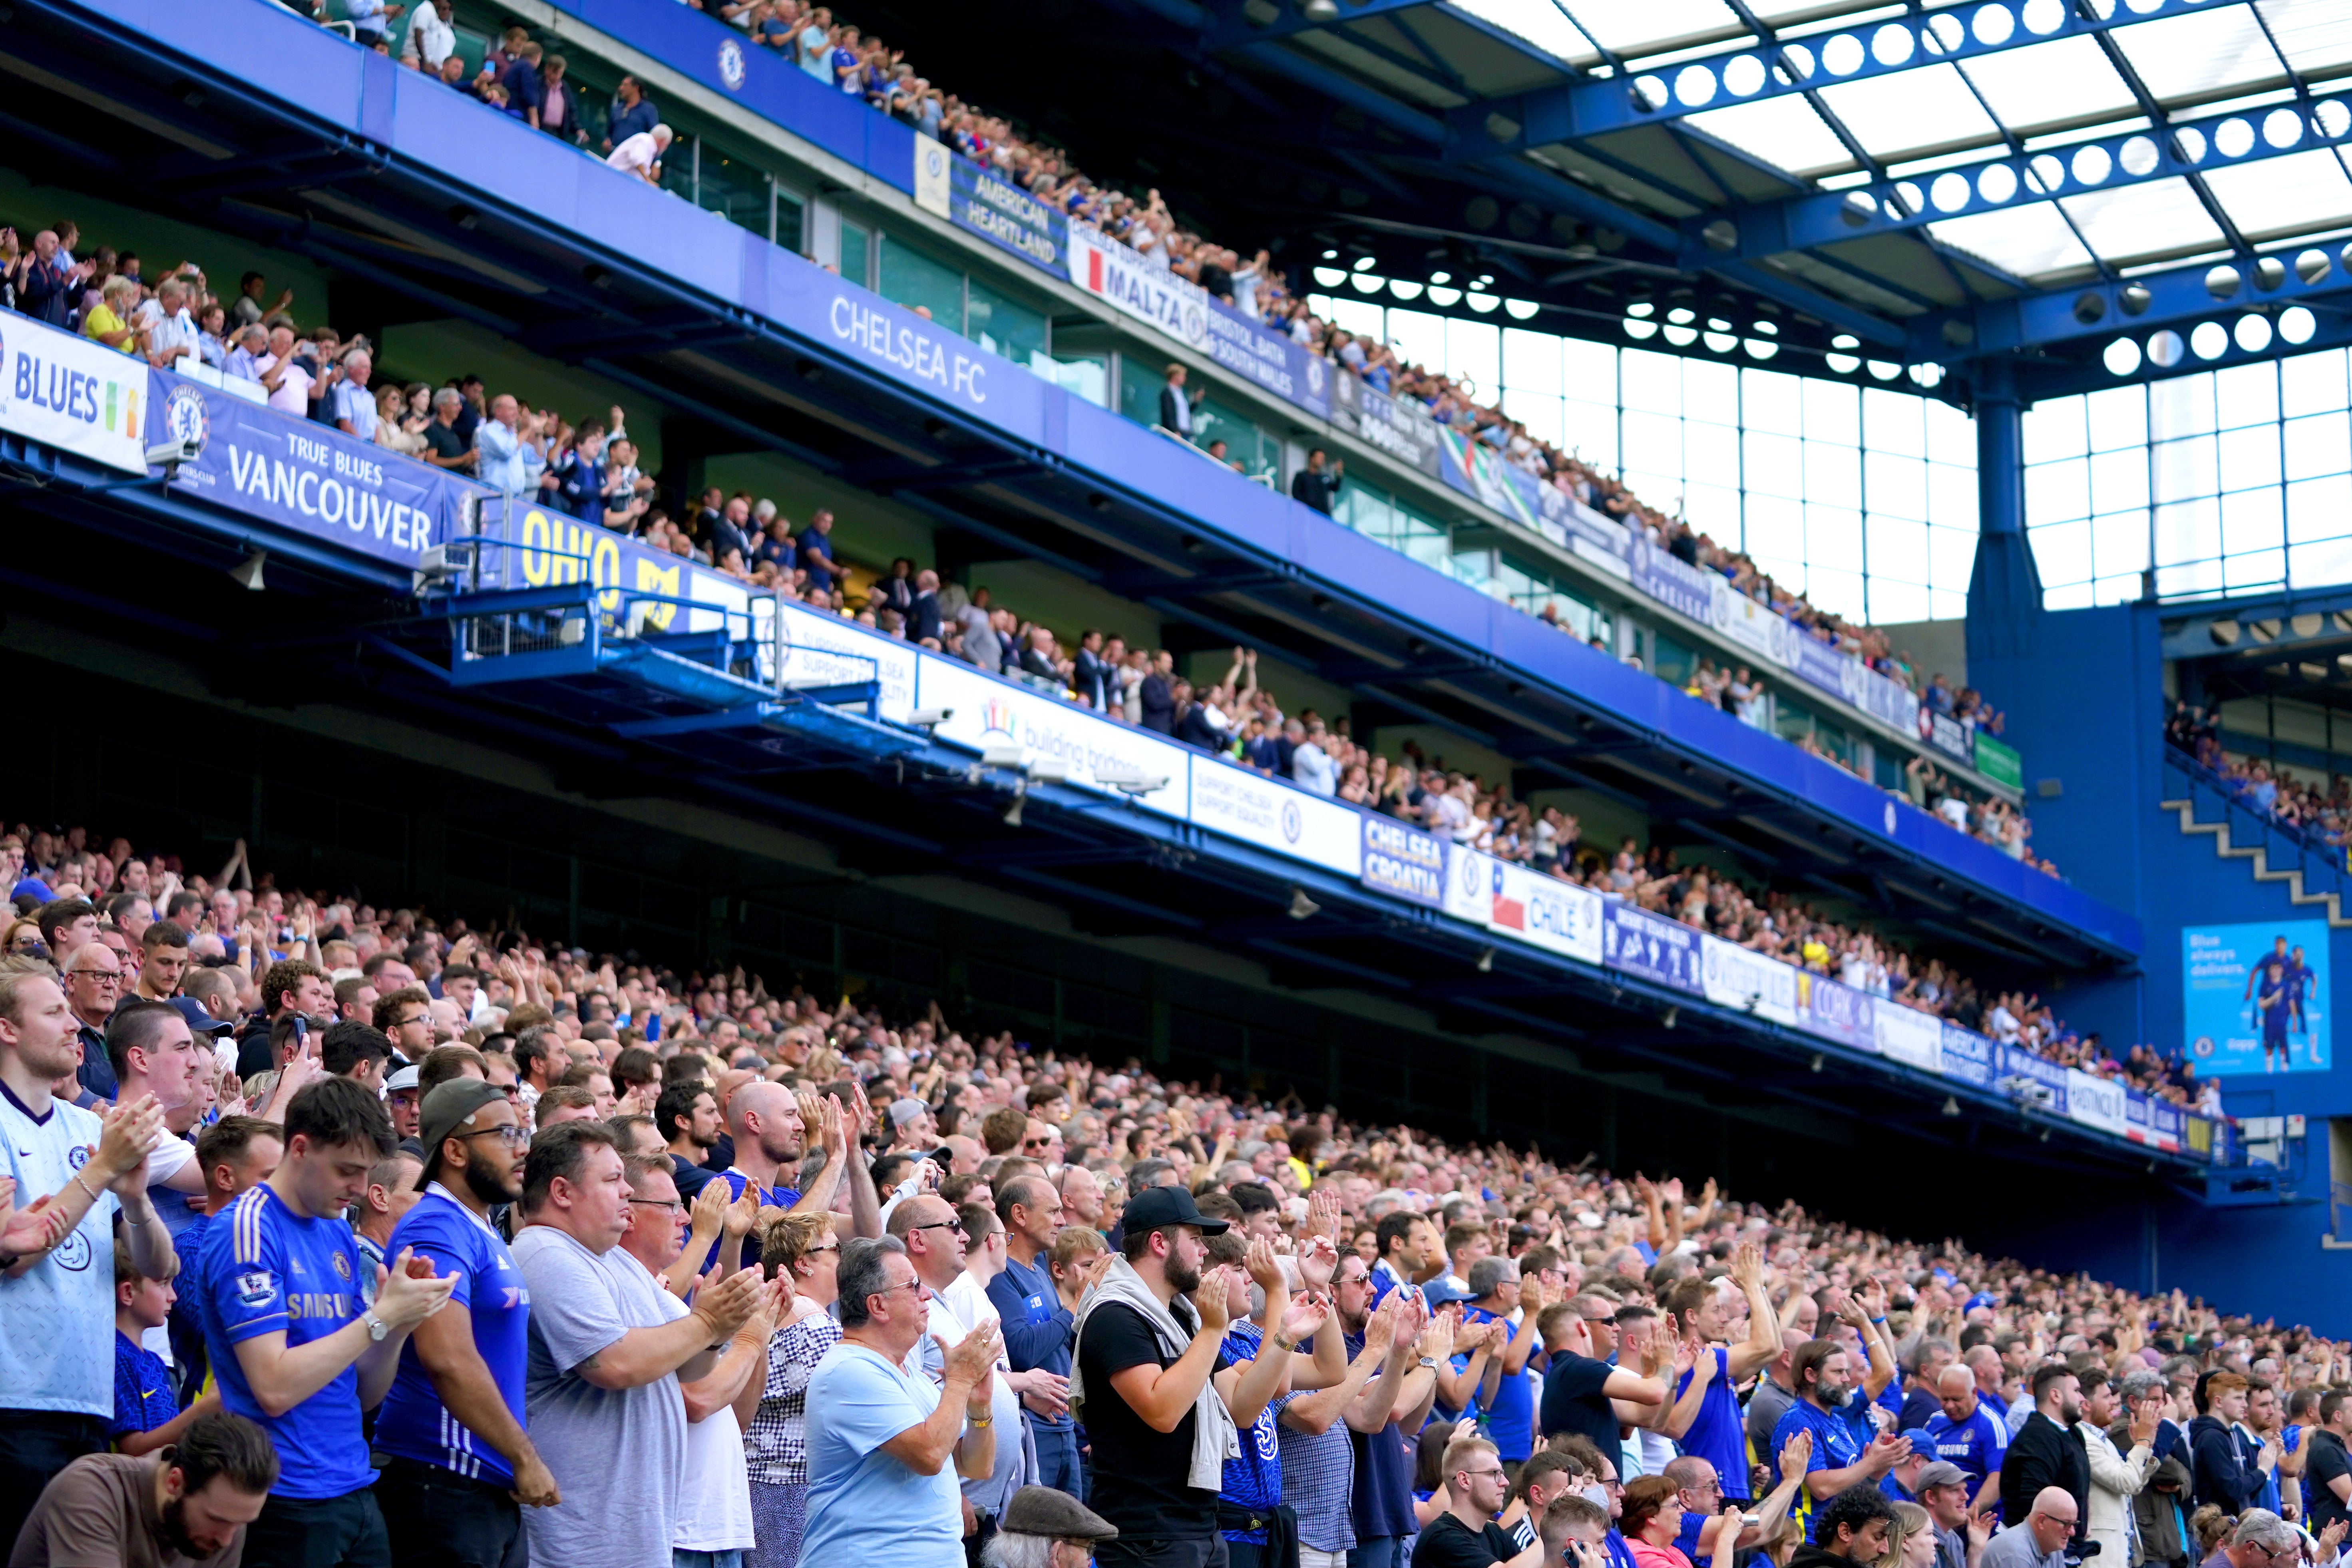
x=453, y=1422
x=1042, y=1528
x=1162, y=1405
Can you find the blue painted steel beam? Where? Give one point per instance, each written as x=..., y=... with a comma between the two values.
x=2100, y=309
x=2002, y=182
x=1755, y=72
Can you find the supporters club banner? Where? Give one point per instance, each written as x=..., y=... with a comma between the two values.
x=1403, y=860
x=2150, y=1121
x=2097, y=1103
x=1836, y=1012
x=1402, y=430
x=2000, y=763
x=981, y=203
x=1470, y=878
x=1907, y=1036
x=1546, y=912
x=1746, y=981
x=311, y=478
x=1650, y=946
x=2028, y=1077
x=1182, y=310
x=818, y=649
x=74, y=393
x=1947, y=735
x=1969, y=1056
x=1275, y=816
x=1673, y=583
x=2255, y=998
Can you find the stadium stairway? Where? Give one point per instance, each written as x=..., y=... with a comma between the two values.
x=2272, y=854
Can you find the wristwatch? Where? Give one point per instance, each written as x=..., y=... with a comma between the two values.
x=377, y=1328
x=1428, y=1361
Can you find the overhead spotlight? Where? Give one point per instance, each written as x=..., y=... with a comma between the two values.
x=1673, y=1016
x=1819, y=1062
x=1486, y=960
x=1319, y=10
x=1951, y=1106
x=246, y=574
x=1301, y=906
x=1012, y=818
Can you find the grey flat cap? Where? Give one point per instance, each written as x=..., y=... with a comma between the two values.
x=1042, y=1511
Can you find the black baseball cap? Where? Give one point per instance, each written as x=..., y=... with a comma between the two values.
x=447, y=1109
x=1156, y=1206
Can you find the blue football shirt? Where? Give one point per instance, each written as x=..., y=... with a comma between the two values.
x=1717, y=1434
x=413, y=1424
x=267, y=1269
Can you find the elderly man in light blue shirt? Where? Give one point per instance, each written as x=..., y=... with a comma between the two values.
x=510, y=462
x=1310, y=765
x=354, y=401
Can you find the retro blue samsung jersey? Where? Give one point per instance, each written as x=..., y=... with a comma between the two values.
x=413, y=1424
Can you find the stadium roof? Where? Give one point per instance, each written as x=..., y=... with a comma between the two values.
x=1920, y=183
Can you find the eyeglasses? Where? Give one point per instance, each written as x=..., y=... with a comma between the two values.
x=671, y=1204
x=1474, y=1475
x=829, y=1246
x=103, y=976
x=954, y=1225
x=511, y=1135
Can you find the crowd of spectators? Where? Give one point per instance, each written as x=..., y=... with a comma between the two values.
x=520, y=77
x=2320, y=814
x=800, y=1282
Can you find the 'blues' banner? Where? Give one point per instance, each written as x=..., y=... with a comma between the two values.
x=1404, y=862
x=74, y=393
x=308, y=477
x=1652, y=946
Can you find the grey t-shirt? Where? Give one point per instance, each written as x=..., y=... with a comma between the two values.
x=618, y=1456
x=2014, y=1548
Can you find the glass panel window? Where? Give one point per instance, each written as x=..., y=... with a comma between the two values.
x=928, y=286
x=857, y=249
x=1004, y=325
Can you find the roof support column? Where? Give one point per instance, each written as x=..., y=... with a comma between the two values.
x=2005, y=589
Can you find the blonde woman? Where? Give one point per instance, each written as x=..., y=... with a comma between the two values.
x=802, y=1247
x=391, y=430
x=108, y=322
x=1910, y=1539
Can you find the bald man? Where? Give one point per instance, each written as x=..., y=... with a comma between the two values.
x=1967, y=1435
x=2040, y=1539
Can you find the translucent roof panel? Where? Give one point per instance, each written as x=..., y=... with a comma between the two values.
x=1632, y=30
x=1783, y=132
x=2201, y=54
x=2314, y=34
x=2300, y=194
x=2160, y=219
x=2025, y=241
x=1539, y=22
x=1910, y=112
x=2064, y=80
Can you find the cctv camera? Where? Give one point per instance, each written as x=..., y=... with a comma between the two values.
x=172, y=454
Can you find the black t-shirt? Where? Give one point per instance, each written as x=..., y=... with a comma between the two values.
x=444, y=440
x=1572, y=1400
x=1450, y=1544
x=1140, y=1475
x=2327, y=1461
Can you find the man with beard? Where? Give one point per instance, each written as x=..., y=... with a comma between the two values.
x=2047, y=1450
x=1163, y=1406
x=1835, y=1410
x=181, y=1506
x=687, y=1116
x=453, y=1424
